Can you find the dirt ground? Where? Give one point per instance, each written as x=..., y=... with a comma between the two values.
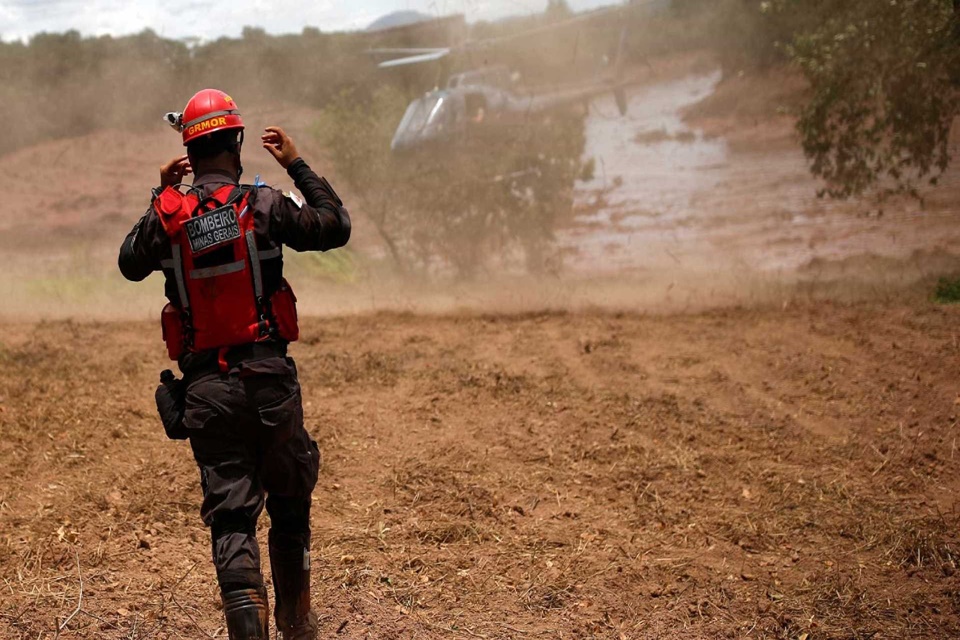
x=688, y=444
x=779, y=473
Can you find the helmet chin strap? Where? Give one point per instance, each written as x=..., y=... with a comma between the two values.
x=239, y=162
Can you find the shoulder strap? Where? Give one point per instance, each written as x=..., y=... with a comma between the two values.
x=223, y=196
x=243, y=209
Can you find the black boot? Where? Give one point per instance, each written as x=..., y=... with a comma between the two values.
x=246, y=613
x=290, y=566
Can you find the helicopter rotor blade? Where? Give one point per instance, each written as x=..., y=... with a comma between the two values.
x=435, y=54
x=410, y=51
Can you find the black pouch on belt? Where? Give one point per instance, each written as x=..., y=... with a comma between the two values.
x=171, y=404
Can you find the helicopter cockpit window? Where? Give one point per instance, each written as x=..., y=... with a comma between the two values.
x=441, y=114
x=472, y=79
x=417, y=115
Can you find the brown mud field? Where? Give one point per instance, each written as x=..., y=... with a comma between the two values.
x=669, y=437
x=773, y=473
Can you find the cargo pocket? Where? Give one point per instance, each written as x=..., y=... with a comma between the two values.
x=311, y=460
x=318, y=459
x=303, y=476
x=284, y=414
x=292, y=460
x=197, y=416
x=211, y=403
x=199, y=412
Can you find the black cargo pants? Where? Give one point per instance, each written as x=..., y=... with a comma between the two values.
x=247, y=434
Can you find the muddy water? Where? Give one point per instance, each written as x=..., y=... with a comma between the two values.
x=660, y=161
x=665, y=196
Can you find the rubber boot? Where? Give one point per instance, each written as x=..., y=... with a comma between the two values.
x=291, y=588
x=246, y=614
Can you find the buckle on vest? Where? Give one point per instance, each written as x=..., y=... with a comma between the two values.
x=222, y=359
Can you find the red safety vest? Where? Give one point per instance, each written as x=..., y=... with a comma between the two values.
x=216, y=266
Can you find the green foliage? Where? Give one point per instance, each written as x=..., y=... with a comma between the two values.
x=947, y=291
x=359, y=131
x=335, y=266
x=62, y=84
x=500, y=189
x=358, y=134
x=557, y=10
x=743, y=34
x=883, y=77
x=883, y=97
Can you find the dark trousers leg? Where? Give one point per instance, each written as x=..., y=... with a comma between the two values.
x=290, y=468
x=249, y=440
x=232, y=502
x=224, y=446
x=289, y=543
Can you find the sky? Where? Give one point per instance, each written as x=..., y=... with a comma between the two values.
x=210, y=19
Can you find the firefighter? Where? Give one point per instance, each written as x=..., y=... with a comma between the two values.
x=229, y=319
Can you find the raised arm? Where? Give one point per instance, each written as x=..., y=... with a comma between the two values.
x=140, y=253
x=318, y=224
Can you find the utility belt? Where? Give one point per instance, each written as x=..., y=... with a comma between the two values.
x=171, y=395
x=217, y=361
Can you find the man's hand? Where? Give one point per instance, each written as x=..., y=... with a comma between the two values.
x=280, y=146
x=172, y=173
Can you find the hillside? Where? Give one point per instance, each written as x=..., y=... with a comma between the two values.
x=397, y=19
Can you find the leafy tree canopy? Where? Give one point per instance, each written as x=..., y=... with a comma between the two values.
x=883, y=76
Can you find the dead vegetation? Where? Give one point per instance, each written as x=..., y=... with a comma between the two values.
x=768, y=474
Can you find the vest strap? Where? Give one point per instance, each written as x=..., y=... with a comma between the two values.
x=178, y=276
x=213, y=272
x=270, y=254
x=255, y=266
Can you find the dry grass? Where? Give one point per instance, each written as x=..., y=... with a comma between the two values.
x=763, y=474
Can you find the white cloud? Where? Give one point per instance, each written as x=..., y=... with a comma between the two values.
x=209, y=19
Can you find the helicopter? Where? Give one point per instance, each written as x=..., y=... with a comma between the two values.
x=488, y=96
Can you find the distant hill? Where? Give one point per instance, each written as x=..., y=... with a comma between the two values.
x=398, y=19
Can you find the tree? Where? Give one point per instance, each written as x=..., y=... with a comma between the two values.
x=884, y=85
x=557, y=10
x=457, y=206
x=359, y=136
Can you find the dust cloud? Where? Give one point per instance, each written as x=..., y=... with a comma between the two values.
x=690, y=201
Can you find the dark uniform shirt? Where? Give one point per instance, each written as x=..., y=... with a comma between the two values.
x=318, y=224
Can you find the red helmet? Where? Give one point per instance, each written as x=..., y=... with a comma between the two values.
x=208, y=111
